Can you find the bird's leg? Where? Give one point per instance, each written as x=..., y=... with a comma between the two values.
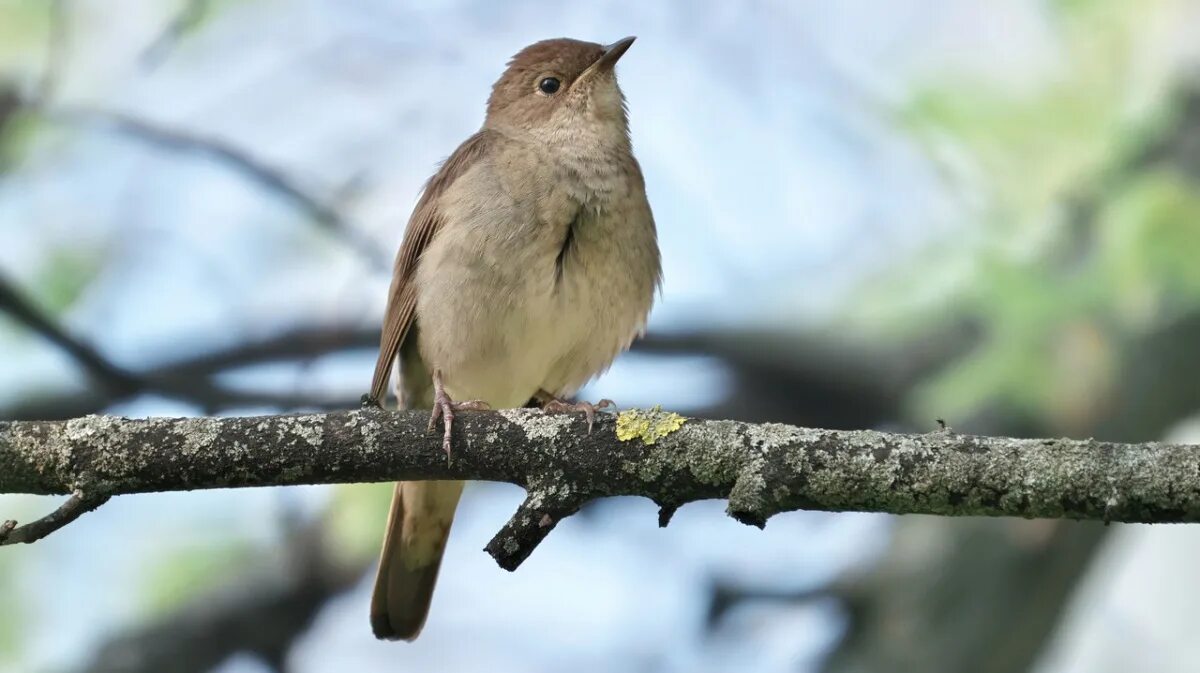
x=553, y=405
x=445, y=407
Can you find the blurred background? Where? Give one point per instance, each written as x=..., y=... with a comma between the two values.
x=871, y=214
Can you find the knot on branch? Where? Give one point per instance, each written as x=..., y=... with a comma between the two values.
x=748, y=502
x=776, y=460
x=666, y=511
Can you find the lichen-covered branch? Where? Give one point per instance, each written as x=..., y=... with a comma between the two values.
x=761, y=469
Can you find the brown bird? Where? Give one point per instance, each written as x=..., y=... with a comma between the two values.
x=529, y=263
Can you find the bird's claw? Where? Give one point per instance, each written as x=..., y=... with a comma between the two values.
x=445, y=407
x=557, y=406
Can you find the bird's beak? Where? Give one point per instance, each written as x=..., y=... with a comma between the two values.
x=608, y=59
x=613, y=52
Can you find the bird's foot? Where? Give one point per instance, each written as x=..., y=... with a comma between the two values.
x=445, y=407
x=554, y=405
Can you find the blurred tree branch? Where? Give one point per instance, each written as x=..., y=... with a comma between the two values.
x=22, y=309
x=237, y=159
x=761, y=469
x=778, y=375
x=189, y=378
x=190, y=15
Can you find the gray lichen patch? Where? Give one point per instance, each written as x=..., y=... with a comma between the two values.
x=369, y=429
x=106, y=443
x=198, y=435
x=310, y=429
x=769, y=436
x=714, y=452
x=104, y=433
x=647, y=469
x=549, y=493
x=295, y=431
x=538, y=425
x=33, y=458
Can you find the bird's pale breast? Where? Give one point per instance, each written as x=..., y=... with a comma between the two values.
x=507, y=306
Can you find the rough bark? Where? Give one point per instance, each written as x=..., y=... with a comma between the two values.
x=761, y=469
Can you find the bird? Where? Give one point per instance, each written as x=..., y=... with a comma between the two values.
x=530, y=261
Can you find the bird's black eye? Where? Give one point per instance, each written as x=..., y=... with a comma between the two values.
x=549, y=85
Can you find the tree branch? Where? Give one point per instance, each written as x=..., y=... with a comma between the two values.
x=190, y=378
x=268, y=177
x=761, y=469
x=75, y=506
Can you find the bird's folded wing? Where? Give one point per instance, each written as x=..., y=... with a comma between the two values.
x=424, y=224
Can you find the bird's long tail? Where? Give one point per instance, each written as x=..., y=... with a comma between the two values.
x=419, y=523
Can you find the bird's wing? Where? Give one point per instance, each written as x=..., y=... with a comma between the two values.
x=424, y=224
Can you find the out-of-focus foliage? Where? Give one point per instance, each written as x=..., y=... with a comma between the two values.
x=64, y=276
x=20, y=130
x=24, y=25
x=1070, y=251
x=11, y=632
x=1149, y=241
x=185, y=572
x=355, y=516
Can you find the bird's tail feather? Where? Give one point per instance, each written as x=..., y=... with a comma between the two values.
x=418, y=525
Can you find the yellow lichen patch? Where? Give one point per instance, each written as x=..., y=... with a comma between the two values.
x=649, y=425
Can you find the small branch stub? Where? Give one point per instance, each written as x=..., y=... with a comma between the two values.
x=531, y=523
x=75, y=506
x=665, y=513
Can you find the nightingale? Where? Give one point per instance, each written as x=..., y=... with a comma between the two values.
x=529, y=263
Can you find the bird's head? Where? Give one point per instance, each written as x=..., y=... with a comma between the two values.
x=562, y=91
